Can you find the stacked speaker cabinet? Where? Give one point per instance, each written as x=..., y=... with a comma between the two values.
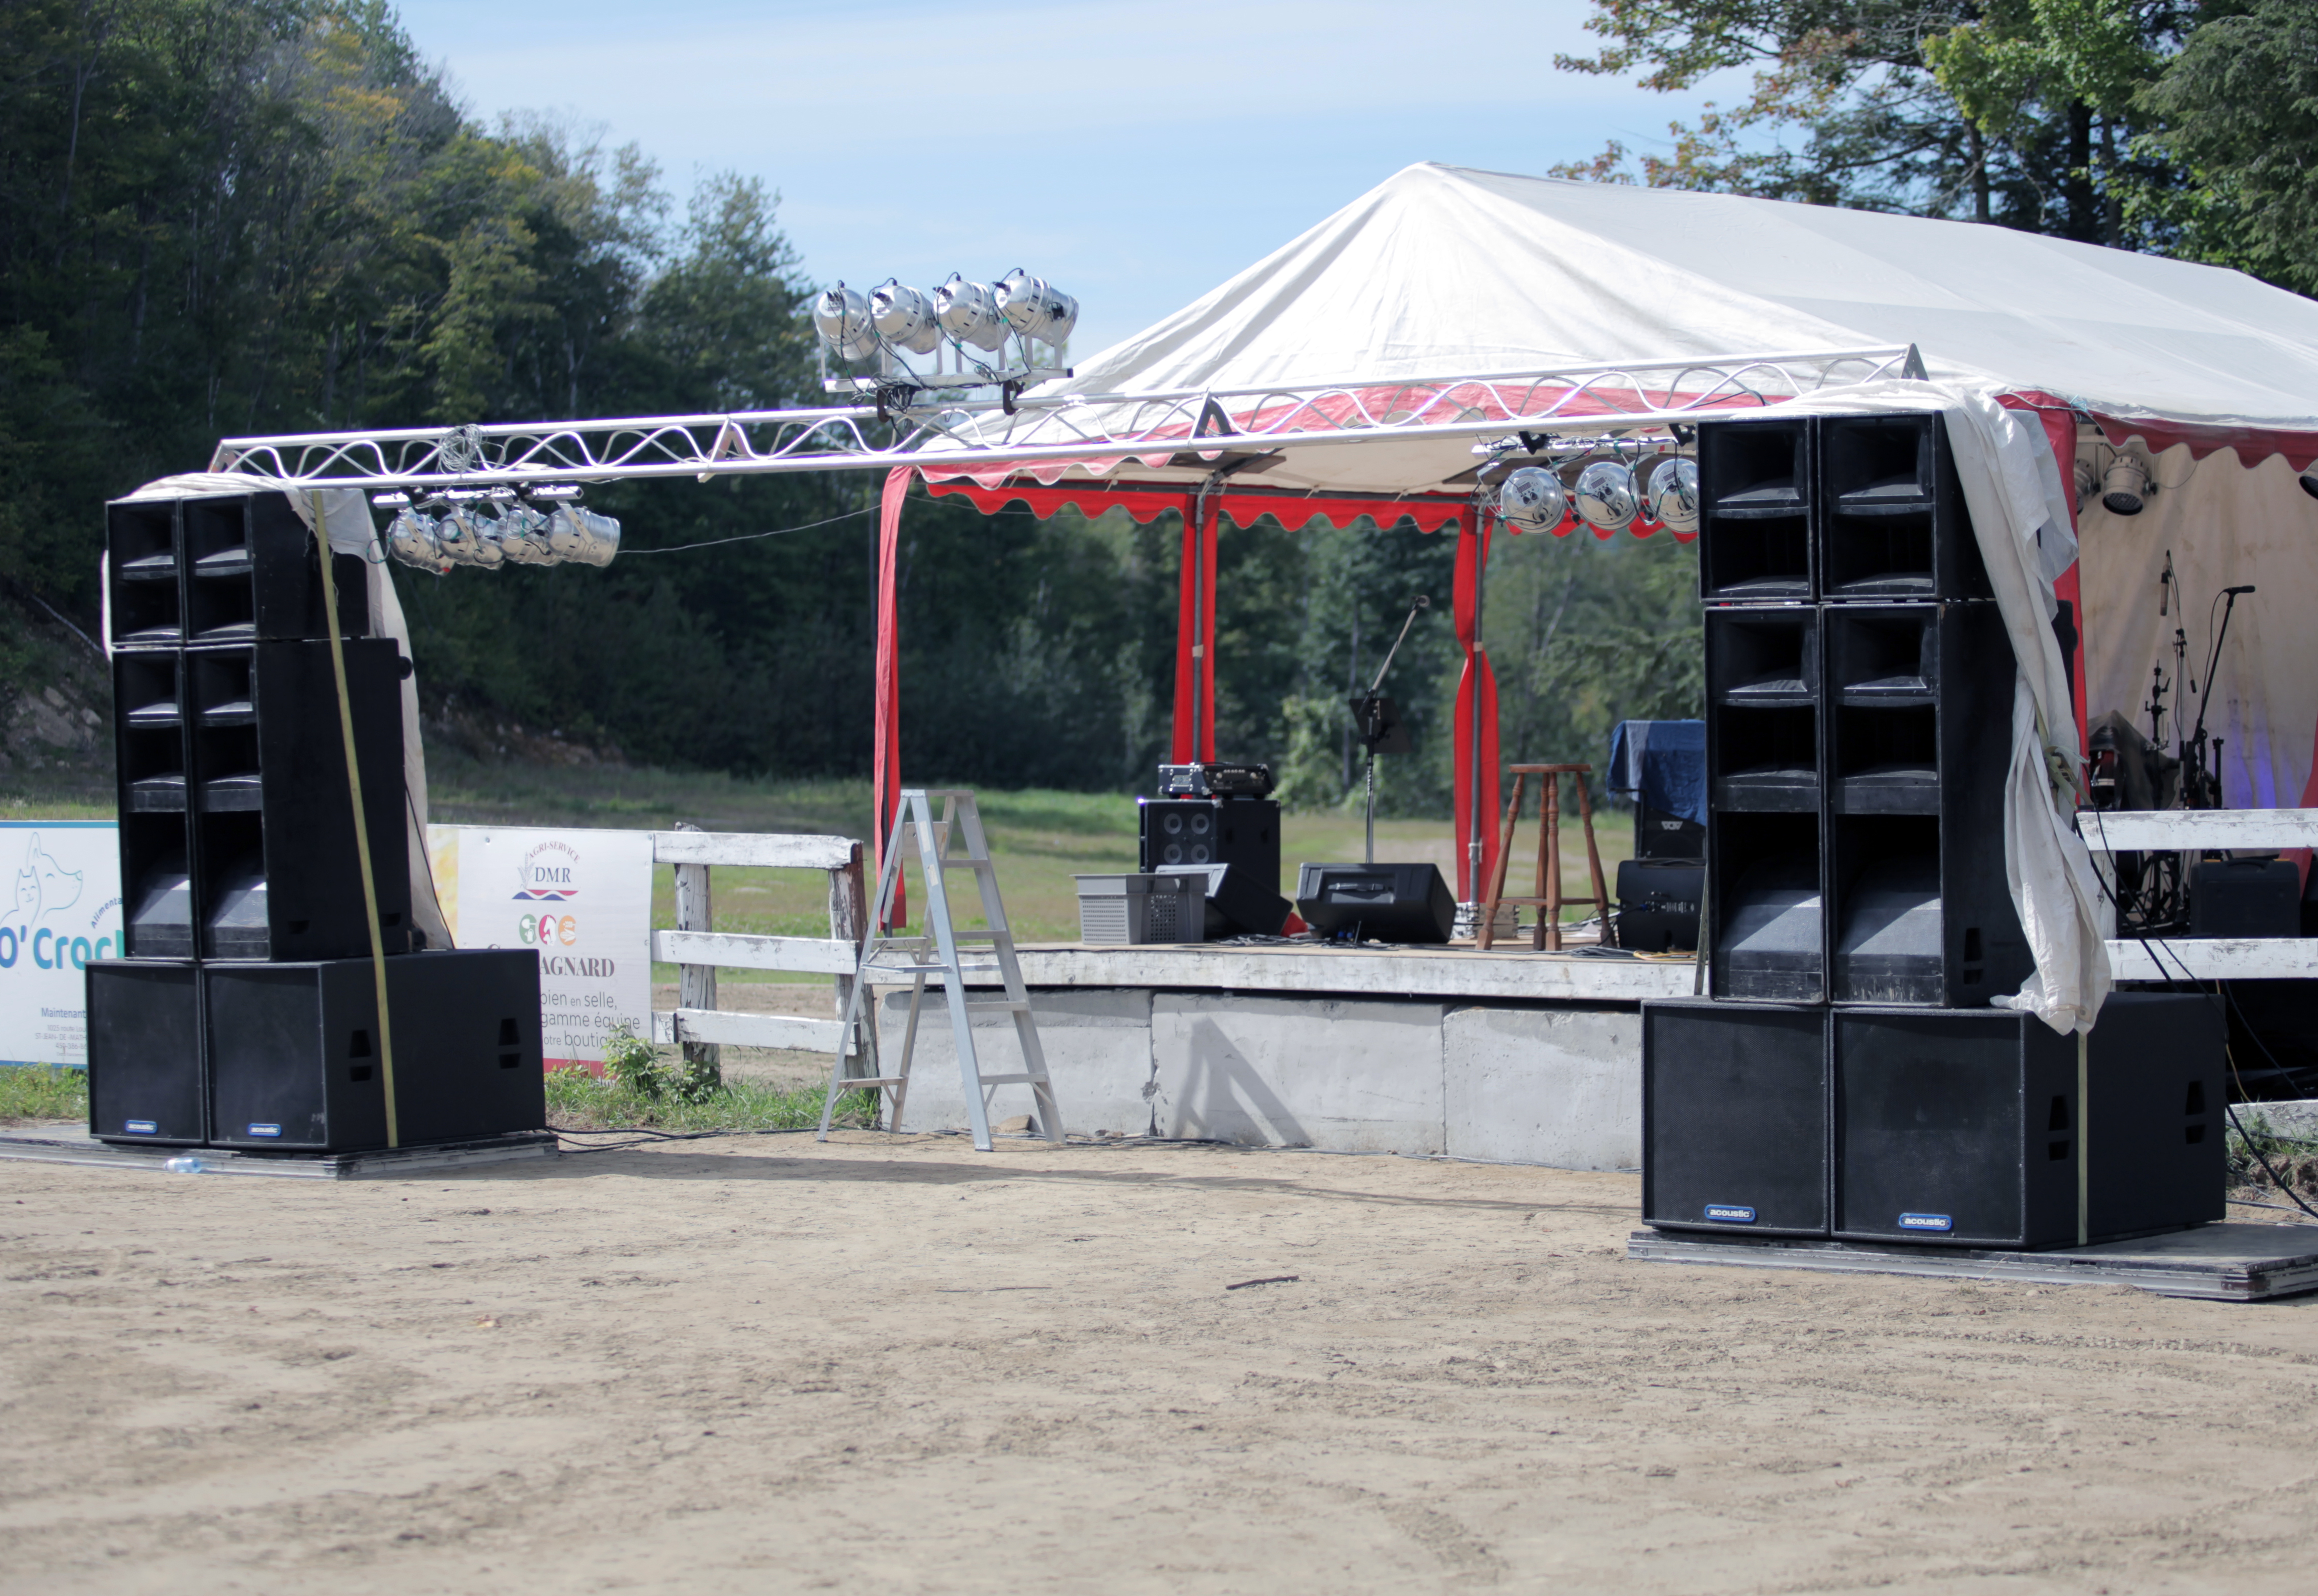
x=1848, y=1077
x=237, y=839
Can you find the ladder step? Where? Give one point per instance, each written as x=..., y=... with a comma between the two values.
x=1013, y=1080
x=869, y=1082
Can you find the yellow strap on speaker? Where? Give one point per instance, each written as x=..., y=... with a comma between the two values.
x=362, y=822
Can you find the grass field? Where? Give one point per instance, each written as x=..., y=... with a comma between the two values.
x=1039, y=838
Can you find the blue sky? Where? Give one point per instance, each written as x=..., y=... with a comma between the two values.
x=1134, y=155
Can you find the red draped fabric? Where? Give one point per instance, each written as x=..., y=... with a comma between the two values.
x=886, y=740
x=1472, y=560
x=1146, y=501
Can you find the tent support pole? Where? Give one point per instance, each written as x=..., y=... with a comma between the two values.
x=1474, y=848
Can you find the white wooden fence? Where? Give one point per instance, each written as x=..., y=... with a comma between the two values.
x=698, y=949
x=2168, y=830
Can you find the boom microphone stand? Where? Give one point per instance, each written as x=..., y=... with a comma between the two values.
x=1376, y=720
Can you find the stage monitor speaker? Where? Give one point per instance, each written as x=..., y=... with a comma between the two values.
x=277, y=874
x=2245, y=898
x=1892, y=517
x=1241, y=832
x=295, y=1060
x=1657, y=903
x=1376, y=902
x=145, y=1082
x=1734, y=1118
x=1965, y=1127
x=1756, y=514
x=1236, y=904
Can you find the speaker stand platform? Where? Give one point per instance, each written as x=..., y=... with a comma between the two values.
x=2236, y=1263
x=64, y=1145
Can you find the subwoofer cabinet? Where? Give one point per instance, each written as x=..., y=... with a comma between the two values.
x=1955, y=1127
x=290, y=1057
x=145, y=1078
x=295, y=1061
x=1734, y=1117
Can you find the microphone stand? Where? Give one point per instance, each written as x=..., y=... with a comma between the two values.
x=1377, y=723
x=2207, y=793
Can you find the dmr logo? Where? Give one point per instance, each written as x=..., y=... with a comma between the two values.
x=549, y=874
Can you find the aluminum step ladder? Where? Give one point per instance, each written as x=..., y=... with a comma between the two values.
x=893, y=959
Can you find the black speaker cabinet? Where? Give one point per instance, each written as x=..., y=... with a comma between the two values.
x=1236, y=905
x=1919, y=740
x=1241, y=832
x=1658, y=835
x=1755, y=481
x=1734, y=1118
x=1657, y=903
x=1891, y=519
x=275, y=872
x=1965, y=1127
x=1763, y=704
x=2245, y=898
x=294, y=1053
x=234, y=568
x=148, y=734
x=145, y=1081
x=1377, y=902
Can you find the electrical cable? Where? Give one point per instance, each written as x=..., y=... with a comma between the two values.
x=751, y=536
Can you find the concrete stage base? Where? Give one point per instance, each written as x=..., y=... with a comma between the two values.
x=2240, y=1263
x=1518, y=1057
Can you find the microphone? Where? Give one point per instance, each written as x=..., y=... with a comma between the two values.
x=2247, y=588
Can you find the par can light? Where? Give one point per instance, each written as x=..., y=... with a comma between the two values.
x=1674, y=493
x=468, y=537
x=411, y=539
x=1034, y=309
x=2309, y=480
x=1605, y=498
x=522, y=533
x=583, y=536
x=1533, y=501
x=2124, y=485
x=842, y=317
x=968, y=312
x=904, y=318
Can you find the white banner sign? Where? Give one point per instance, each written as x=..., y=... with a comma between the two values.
x=582, y=897
x=60, y=907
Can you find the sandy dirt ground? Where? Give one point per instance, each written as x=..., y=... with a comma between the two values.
x=754, y=1364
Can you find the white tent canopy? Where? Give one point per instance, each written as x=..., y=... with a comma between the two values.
x=1444, y=271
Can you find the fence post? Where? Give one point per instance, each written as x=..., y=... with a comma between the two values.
x=696, y=985
x=848, y=922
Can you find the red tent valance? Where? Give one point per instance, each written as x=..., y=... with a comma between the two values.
x=1146, y=501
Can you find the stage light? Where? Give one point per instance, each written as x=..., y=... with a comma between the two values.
x=904, y=318
x=968, y=312
x=2087, y=482
x=1036, y=310
x=2124, y=485
x=842, y=317
x=1533, y=500
x=1674, y=493
x=2309, y=480
x=522, y=533
x=1605, y=498
x=411, y=539
x=583, y=536
x=467, y=537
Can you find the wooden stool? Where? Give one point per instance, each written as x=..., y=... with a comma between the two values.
x=1548, y=934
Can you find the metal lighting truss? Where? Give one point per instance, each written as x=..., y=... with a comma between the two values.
x=1554, y=408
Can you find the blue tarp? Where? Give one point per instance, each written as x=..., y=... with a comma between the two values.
x=1663, y=763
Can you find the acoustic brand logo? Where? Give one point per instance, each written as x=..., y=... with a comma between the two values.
x=1730, y=1213
x=549, y=874
x=1941, y=1222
